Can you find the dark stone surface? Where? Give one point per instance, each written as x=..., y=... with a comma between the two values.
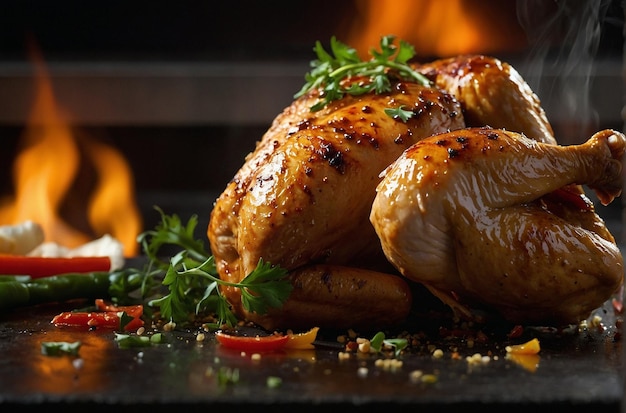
x=577, y=369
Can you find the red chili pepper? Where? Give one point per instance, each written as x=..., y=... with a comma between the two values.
x=134, y=311
x=516, y=331
x=39, y=267
x=96, y=319
x=252, y=343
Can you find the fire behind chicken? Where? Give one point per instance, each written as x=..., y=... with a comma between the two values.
x=303, y=198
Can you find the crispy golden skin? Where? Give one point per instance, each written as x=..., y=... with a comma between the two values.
x=484, y=216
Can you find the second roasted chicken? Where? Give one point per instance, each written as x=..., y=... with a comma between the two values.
x=488, y=219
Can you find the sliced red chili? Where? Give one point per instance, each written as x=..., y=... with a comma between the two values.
x=252, y=343
x=109, y=319
x=41, y=267
x=618, y=305
x=132, y=310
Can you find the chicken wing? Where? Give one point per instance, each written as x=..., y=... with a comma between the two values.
x=486, y=219
x=492, y=93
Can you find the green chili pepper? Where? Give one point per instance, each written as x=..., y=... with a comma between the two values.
x=65, y=287
x=20, y=278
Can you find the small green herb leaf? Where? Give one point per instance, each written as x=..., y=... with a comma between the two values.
x=379, y=340
x=227, y=375
x=398, y=344
x=57, y=348
x=376, y=342
x=399, y=113
x=132, y=341
x=274, y=382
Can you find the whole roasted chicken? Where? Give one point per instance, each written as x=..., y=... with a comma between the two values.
x=303, y=197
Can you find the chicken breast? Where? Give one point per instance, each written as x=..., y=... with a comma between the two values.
x=489, y=219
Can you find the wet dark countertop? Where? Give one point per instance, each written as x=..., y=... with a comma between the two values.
x=578, y=369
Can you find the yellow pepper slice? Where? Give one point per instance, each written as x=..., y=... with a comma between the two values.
x=530, y=347
x=302, y=341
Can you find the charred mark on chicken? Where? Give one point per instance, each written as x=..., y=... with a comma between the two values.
x=370, y=139
x=329, y=153
x=300, y=126
x=452, y=153
x=326, y=280
x=489, y=133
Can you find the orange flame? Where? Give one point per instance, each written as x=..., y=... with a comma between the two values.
x=45, y=170
x=438, y=28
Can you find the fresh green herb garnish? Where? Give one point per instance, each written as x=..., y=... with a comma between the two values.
x=227, y=375
x=132, y=341
x=171, y=232
x=379, y=340
x=274, y=382
x=399, y=113
x=124, y=319
x=330, y=69
x=193, y=281
x=57, y=348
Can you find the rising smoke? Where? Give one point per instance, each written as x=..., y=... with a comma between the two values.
x=564, y=36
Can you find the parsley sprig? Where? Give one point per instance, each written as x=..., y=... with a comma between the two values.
x=399, y=113
x=193, y=281
x=330, y=69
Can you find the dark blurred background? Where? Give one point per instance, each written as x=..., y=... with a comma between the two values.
x=184, y=89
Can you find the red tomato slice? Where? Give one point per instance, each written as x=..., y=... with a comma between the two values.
x=252, y=343
x=302, y=341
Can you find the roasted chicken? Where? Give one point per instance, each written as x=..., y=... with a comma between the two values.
x=486, y=218
x=303, y=197
x=302, y=201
